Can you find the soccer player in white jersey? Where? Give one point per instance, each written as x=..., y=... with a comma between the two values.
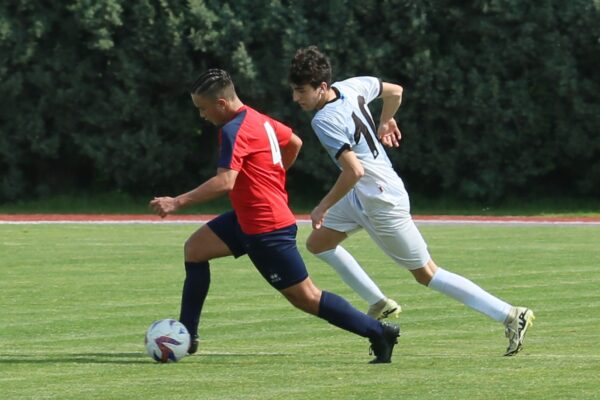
x=368, y=193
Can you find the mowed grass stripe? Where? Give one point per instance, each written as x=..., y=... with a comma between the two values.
x=76, y=300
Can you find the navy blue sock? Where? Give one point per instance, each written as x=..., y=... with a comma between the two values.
x=337, y=311
x=195, y=289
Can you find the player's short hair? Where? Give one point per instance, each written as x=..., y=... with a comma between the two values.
x=214, y=83
x=310, y=66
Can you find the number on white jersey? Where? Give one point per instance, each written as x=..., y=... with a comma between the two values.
x=275, y=151
x=362, y=130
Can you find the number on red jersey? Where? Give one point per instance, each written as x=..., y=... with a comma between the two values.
x=275, y=151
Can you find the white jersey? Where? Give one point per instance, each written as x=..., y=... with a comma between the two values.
x=346, y=123
x=378, y=203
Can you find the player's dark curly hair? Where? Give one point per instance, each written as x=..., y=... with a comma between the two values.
x=310, y=66
x=213, y=83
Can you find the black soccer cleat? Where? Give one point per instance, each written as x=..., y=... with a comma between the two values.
x=194, y=342
x=383, y=346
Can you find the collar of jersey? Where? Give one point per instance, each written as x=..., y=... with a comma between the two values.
x=338, y=96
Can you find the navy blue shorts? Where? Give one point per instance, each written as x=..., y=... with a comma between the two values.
x=274, y=254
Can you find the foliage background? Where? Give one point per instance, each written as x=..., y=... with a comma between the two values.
x=502, y=97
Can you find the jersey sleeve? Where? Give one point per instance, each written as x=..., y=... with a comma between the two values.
x=231, y=150
x=367, y=86
x=332, y=137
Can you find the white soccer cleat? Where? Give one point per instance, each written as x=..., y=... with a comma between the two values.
x=515, y=330
x=383, y=309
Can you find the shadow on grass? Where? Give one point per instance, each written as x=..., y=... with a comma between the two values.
x=109, y=358
x=80, y=358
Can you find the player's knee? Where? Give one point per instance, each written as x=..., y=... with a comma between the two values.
x=190, y=251
x=423, y=280
x=422, y=275
x=310, y=246
x=314, y=246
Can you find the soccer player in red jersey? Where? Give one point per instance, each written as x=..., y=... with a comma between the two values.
x=254, y=153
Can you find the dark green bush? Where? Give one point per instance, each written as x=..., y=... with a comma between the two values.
x=501, y=97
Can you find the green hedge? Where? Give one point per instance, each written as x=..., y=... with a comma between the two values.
x=501, y=97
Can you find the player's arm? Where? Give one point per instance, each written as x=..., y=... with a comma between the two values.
x=216, y=186
x=388, y=131
x=290, y=151
x=352, y=171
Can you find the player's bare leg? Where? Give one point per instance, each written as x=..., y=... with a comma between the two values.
x=324, y=243
x=304, y=295
x=324, y=239
x=205, y=245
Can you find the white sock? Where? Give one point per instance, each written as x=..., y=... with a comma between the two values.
x=352, y=273
x=470, y=294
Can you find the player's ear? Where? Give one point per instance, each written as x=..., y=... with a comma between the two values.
x=221, y=104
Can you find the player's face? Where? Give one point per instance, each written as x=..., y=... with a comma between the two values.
x=211, y=110
x=307, y=96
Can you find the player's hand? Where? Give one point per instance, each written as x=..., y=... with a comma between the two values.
x=317, y=215
x=389, y=133
x=164, y=205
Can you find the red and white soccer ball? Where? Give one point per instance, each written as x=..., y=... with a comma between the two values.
x=167, y=340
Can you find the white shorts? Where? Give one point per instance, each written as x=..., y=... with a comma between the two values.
x=388, y=223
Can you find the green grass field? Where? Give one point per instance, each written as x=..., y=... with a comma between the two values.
x=76, y=300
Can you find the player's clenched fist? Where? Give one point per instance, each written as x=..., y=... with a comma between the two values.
x=164, y=205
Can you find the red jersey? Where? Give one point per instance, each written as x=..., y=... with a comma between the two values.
x=249, y=144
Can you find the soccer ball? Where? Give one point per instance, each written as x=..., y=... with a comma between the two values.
x=167, y=340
